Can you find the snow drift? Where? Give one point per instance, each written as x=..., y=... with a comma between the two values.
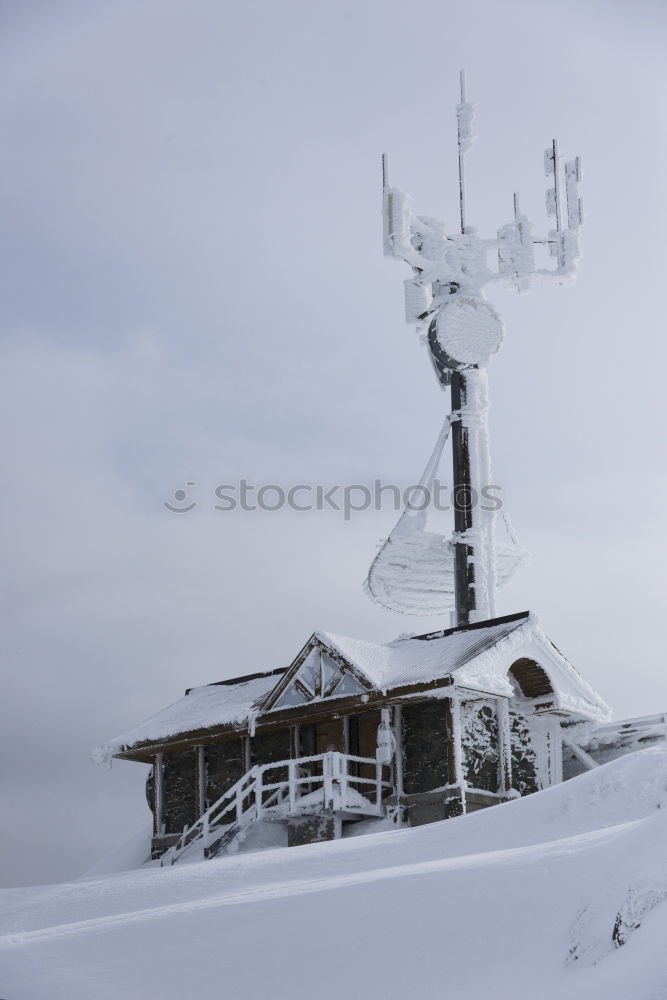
x=558, y=894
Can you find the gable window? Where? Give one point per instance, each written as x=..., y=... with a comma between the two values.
x=319, y=677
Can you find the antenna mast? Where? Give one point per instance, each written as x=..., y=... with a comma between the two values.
x=464, y=113
x=419, y=571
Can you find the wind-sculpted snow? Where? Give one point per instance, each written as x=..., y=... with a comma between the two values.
x=523, y=900
x=625, y=897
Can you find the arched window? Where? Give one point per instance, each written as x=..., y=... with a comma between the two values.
x=532, y=680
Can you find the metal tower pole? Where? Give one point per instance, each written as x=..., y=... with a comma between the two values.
x=464, y=566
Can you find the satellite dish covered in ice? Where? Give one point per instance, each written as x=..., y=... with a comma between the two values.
x=414, y=570
x=413, y=573
x=468, y=331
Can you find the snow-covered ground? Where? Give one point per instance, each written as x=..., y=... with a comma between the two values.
x=525, y=900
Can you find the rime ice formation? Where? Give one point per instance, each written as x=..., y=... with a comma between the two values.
x=417, y=570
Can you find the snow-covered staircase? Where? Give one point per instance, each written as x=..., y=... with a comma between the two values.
x=321, y=783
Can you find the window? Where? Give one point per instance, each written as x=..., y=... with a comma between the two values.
x=319, y=677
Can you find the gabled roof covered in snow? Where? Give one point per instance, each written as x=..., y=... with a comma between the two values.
x=420, y=658
x=472, y=658
x=475, y=657
x=226, y=703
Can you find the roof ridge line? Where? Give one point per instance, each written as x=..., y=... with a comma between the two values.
x=487, y=623
x=231, y=681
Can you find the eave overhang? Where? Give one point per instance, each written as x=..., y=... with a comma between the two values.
x=314, y=711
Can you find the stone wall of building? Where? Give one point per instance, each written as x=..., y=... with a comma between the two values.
x=180, y=796
x=225, y=764
x=425, y=764
x=269, y=747
x=313, y=829
x=479, y=738
x=524, y=757
x=150, y=789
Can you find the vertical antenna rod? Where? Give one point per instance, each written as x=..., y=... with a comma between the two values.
x=462, y=151
x=552, y=169
x=557, y=195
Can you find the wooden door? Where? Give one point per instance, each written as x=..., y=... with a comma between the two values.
x=317, y=739
x=368, y=738
x=329, y=736
x=363, y=741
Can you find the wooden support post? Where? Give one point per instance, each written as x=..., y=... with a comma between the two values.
x=158, y=780
x=343, y=764
x=247, y=752
x=398, y=735
x=455, y=749
x=556, y=752
x=585, y=758
x=504, y=746
x=327, y=768
x=453, y=725
x=346, y=734
x=201, y=780
x=292, y=785
x=258, y=793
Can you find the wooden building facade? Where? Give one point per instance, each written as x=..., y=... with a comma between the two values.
x=420, y=729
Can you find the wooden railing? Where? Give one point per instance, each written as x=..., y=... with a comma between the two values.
x=305, y=789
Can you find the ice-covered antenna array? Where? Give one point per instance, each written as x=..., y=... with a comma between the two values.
x=418, y=571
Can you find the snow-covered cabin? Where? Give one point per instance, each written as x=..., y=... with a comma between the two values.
x=418, y=729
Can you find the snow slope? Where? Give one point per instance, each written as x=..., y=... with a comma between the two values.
x=522, y=900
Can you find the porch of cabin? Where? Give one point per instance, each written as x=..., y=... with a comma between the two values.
x=453, y=754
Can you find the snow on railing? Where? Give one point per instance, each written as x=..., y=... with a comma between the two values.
x=252, y=797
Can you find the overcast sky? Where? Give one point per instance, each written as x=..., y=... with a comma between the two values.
x=192, y=288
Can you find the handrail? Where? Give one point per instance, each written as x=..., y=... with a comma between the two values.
x=335, y=772
x=186, y=838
